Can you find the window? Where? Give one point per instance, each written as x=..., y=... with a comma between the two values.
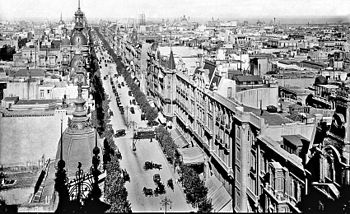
x=229, y=92
x=42, y=92
x=262, y=162
x=238, y=198
x=238, y=152
x=238, y=174
x=238, y=132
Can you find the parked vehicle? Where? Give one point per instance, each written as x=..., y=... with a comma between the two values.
x=132, y=110
x=171, y=184
x=153, y=123
x=129, y=92
x=120, y=132
x=126, y=175
x=160, y=189
x=156, y=178
x=143, y=116
x=123, y=84
x=147, y=191
x=150, y=165
x=119, y=86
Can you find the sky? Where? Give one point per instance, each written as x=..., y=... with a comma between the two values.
x=51, y=9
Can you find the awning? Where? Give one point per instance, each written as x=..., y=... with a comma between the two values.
x=227, y=208
x=161, y=118
x=192, y=155
x=179, y=139
x=151, y=103
x=220, y=198
x=160, y=75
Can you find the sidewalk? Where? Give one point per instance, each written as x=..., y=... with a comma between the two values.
x=175, y=175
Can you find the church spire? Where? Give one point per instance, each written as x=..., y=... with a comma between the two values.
x=171, y=63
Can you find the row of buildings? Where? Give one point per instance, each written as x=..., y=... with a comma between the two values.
x=266, y=160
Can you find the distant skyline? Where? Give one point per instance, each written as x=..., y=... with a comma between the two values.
x=154, y=9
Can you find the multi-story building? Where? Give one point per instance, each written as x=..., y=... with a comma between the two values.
x=241, y=144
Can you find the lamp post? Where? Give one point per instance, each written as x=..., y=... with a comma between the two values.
x=165, y=203
x=175, y=150
x=127, y=115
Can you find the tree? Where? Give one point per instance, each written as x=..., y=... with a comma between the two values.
x=205, y=206
x=115, y=191
x=195, y=189
x=151, y=114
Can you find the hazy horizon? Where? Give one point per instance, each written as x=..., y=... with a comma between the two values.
x=158, y=9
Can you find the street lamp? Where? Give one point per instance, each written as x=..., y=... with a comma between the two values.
x=165, y=203
x=127, y=115
x=175, y=150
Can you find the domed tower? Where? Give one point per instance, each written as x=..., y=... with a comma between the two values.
x=78, y=38
x=78, y=140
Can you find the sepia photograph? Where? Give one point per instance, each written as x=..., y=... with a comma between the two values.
x=183, y=106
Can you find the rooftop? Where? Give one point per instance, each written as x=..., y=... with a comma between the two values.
x=31, y=102
x=270, y=118
x=296, y=140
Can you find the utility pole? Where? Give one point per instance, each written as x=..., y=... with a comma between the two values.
x=165, y=203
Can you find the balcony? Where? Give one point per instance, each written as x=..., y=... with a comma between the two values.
x=218, y=120
x=223, y=122
x=226, y=149
x=217, y=140
x=207, y=129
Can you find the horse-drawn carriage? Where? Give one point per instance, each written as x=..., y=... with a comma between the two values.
x=126, y=175
x=160, y=189
x=150, y=165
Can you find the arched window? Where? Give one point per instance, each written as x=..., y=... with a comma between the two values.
x=329, y=168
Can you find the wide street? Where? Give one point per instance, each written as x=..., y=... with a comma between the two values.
x=133, y=161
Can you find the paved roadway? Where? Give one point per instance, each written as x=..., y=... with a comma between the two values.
x=133, y=161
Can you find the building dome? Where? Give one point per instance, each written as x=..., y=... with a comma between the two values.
x=65, y=42
x=77, y=59
x=320, y=80
x=78, y=38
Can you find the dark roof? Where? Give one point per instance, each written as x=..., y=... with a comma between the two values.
x=232, y=73
x=210, y=66
x=247, y=78
x=296, y=140
x=312, y=64
x=10, y=98
x=270, y=118
x=320, y=80
x=215, y=81
x=31, y=102
x=27, y=72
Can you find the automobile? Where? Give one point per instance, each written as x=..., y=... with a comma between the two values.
x=134, y=102
x=123, y=84
x=105, y=65
x=129, y=92
x=153, y=123
x=132, y=110
x=105, y=78
x=156, y=178
x=143, y=116
x=147, y=191
x=115, y=75
x=119, y=133
x=119, y=86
